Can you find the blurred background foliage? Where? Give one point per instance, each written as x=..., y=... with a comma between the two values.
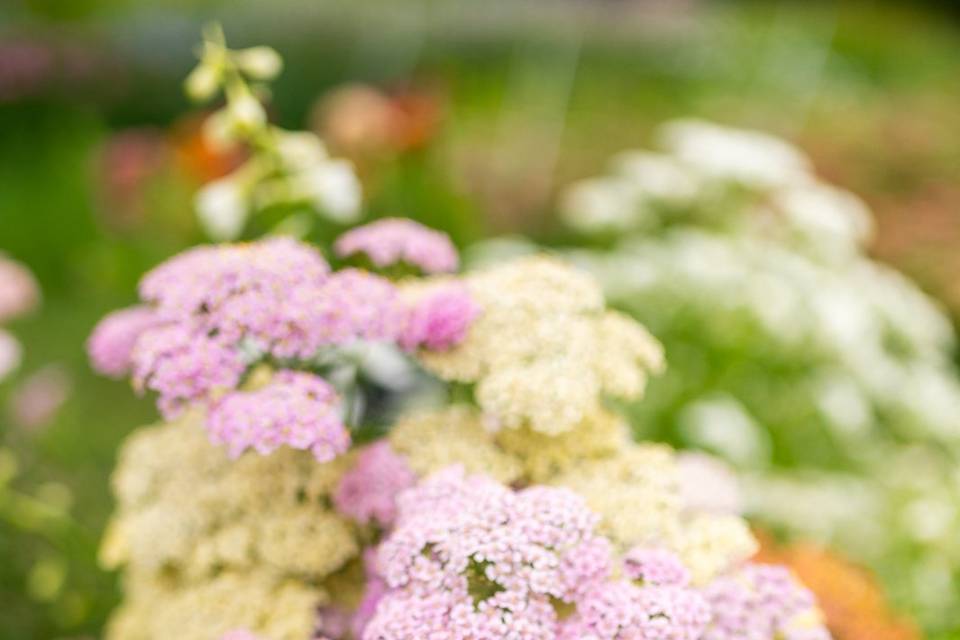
x=474, y=115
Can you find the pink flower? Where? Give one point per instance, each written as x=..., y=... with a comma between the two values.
x=759, y=601
x=368, y=492
x=19, y=292
x=111, y=344
x=198, y=282
x=623, y=611
x=295, y=409
x=655, y=567
x=470, y=558
x=358, y=305
x=397, y=240
x=441, y=319
x=183, y=367
x=276, y=294
x=38, y=399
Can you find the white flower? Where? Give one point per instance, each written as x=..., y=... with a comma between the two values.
x=300, y=150
x=600, y=204
x=658, y=175
x=751, y=158
x=260, y=63
x=827, y=217
x=10, y=354
x=222, y=208
x=722, y=425
x=334, y=189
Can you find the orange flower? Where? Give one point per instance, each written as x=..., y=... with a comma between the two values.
x=196, y=156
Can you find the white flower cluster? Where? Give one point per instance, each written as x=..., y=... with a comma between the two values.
x=789, y=346
x=284, y=167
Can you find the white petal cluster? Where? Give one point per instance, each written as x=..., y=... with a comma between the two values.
x=788, y=344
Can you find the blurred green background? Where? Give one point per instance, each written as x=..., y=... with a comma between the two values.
x=503, y=103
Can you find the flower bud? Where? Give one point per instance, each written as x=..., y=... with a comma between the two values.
x=260, y=63
x=245, y=111
x=202, y=83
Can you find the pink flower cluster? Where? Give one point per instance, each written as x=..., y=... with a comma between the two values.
x=470, y=559
x=441, y=319
x=654, y=600
x=620, y=610
x=655, y=567
x=214, y=311
x=113, y=340
x=183, y=365
x=278, y=295
x=760, y=601
x=296, y=409
x=368, y=492
x=398, y=240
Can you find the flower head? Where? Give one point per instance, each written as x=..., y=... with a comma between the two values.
x=358, y=305
x=440, y=318
x=113, y=340
x=623, y=611
x=397, y=240
x=761, y=601
x=656, y=567
x=183, y=366
x=543, y=352
x=19, y=292
x=260, y=290
x=368, y=492
x=470, y=554
x=299, y=410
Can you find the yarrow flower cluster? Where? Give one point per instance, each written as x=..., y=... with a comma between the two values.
x=761, y=601
x=294, y=409
x=369, y=491
x=471, y=557
x=111, y=345
x=394, y=241
x=544, y=352
x=212, y=313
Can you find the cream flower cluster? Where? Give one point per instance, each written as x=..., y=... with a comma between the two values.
x=544, y=351
x=209, y=544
